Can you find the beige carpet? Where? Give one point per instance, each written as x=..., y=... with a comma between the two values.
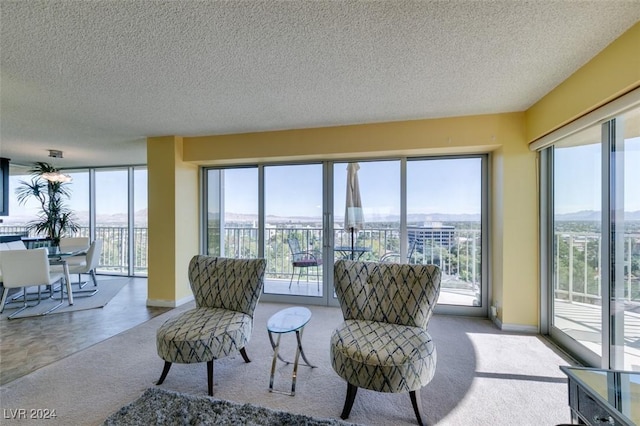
x=484, y=377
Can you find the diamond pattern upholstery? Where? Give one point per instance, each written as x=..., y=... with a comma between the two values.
x=383, y=343
x=383, y=357
x=226, y=293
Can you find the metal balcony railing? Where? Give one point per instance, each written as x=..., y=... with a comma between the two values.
x=578, y=262
x=115, y=249
x=457, y=252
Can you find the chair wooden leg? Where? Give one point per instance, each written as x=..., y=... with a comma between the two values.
x=417, y=406
x=243, y=352
x=165, y=371
x=210, y=377
x=348, y=401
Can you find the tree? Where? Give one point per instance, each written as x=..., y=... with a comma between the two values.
x=55, y=219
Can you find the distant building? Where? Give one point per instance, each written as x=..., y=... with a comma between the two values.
x=434, y=233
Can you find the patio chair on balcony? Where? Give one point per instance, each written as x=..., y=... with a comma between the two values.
x=394, y=256
x=303, y=259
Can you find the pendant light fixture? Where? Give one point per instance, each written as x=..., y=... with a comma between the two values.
x=56, y=175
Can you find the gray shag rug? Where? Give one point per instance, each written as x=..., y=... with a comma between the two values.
x=162, y=407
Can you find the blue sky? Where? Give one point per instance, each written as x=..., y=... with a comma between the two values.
x=578, y=180
x=435, y=186
x=111, y=191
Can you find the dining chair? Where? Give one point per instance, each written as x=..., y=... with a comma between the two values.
x=69, y=244
x=27, y=268
x=88, y=266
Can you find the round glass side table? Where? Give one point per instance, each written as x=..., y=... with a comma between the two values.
x=288, y=320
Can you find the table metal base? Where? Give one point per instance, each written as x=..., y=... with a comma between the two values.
x=276, y=355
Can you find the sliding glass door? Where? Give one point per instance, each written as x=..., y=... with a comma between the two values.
x=445, y=225
x=594, y=242
x=624, y=258
x=303, y=217
x=371, y=228
x=231, y=215
x=577, y=195
x=293, y=239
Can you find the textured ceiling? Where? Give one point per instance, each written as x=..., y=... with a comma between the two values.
x=95, y=78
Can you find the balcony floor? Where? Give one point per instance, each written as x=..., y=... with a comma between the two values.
x=584, y=323
x=450, y=293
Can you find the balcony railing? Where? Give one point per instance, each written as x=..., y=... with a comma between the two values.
x=457, y=252
x=578, y=263
x=115, y=249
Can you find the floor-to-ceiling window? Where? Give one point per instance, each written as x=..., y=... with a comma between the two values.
x=592, y=232
x=232, y=212
x=293, y=231
x=377, y=229
x=445, y=226
x=624, y=248
x=577, y=195
x=138, y=216
x=80, y=200
x=108, y=204
x=112, y=207
x=407, y=210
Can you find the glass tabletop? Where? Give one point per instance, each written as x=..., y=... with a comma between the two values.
x=349, y=248
x=63, y=254
x=288, y=320
x=618, y=389
x=351, y=252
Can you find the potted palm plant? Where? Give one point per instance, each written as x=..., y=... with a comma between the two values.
x=55, y=219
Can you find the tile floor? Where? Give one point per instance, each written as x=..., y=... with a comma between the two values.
x=30, y=343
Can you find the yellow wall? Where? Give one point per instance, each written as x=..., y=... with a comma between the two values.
x=173, y=221
x=517, y=231
x=610, y=74
x=513, y=175
x=173, y=218
x=442, y=136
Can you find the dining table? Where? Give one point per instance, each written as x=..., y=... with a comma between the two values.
x=58, y=258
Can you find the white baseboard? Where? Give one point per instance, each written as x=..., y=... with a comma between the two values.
x=169, y=303
x=518, y=328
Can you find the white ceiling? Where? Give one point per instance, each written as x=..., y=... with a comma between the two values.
x=95, y=78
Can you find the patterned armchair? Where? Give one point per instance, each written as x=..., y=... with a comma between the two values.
x=383, y=344
x=226, y=293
